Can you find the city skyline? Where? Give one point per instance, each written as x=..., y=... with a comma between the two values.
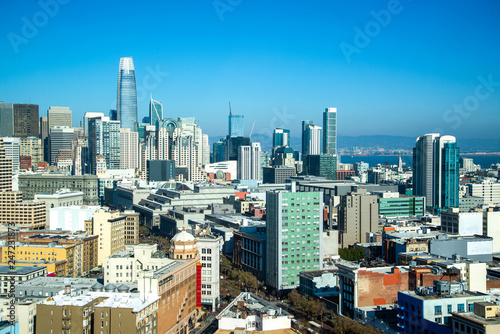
x=276, y=73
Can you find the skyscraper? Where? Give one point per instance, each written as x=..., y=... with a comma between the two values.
x=12, y=151
x=244, y=162
x=126, y=105
x=129, y=149
x=330, y=131
x=58, y=116
x=236, y=125
x=44, y=137
x=256, y=161
x=26, y=120
x=60, y=140
x=436, y=170
x=313, y=140
x=6, y=119
x=294, y=243
x=155, y=111
x=305, y=124
x=281, y=137
x=104, y=139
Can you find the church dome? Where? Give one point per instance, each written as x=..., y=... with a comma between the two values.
x=183, y=236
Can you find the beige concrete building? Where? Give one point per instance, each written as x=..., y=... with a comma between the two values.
x=110, y=227
x=483, y=320
x=98, y=312
x=31, y=147
x=127, y=266
x=31, y=214
x=358, y=214
x=131, y=228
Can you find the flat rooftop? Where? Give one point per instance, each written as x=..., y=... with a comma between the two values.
x=318, y=273
x=434, y=296
x=477, y=319
x=20, y=270
x=252, y=305
x=49, y=282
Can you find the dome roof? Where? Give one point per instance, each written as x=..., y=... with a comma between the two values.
x=183, y=236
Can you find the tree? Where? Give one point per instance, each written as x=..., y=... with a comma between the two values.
x=352, y=254
x=144, y=231
x=225, y=265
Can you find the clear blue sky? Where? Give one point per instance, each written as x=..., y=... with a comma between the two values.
x=278, y=62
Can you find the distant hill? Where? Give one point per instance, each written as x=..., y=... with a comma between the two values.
x=385, y=142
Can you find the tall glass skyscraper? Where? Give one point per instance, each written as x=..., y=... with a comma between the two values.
x=155, y=111
x=281, y=137
x=436, y=171
x=236, y=125
x=126, y=106
x=305, y=124
x=330, y=131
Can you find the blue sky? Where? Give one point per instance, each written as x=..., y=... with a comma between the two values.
x=278, y=62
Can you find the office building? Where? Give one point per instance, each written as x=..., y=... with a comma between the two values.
x=236, y=125
x=129, y=149
x=294, y=236
x=357, y=215
x=126, y=106
x=30, y=214
x=277, y=174
x=312, y=140
x=6, y=119
x=330, y=131
x=31, y=147
x=232, y=145
x=281, y=137
x=487, y=190
x=12, y=152
x=104, y=139
x=86, y=118
x=44, y=137
x=26, y=120
x=324, y=165
x=131, y=227
x=255, y=162
x=462, y=223
x=160, y=170
x=70, y=218
x=436, y=171
x=155, y=111
x=244, y=163
x=110, y=227
x=5, y=170
x=60, y=142
x=210, y=248
x=63, y=197
x=395, y=205
x=305, y=124
x=58, y=116
x=249, y=251
x=283, y=156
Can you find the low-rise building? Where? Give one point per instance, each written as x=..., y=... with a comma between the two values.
x=462, y=223
x=483, y=319
x=319, y=283
x=109, y=312
x=71, y=218
x=429, y=309
x=20, y=274
x=62, y=197
x=251, y=313
x=249, y=252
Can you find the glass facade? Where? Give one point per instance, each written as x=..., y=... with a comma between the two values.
x=402, y=207
x=281, y=137
x=330, y=131
x=236, y=125
x=127, y=94
x=155, y=112
x=322, y=165
x=449, y=187
x=104, y=139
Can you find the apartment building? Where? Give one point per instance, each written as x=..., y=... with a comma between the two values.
x=110, y=227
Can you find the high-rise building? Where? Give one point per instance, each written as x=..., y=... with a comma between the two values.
x=129, y=149
x=113, y=114
x=58, y=116
x=87, y=117
x=161, y=170
x=60, y=142
x=236, y=125
x=324, y=165
x=44, y=137
x=6, y=119
x=244, y=162
x=5, y=170
x=281, y=137
x=12, y=150
x=126, y=106
x=256, y=161
x=330, y=131
x=110, y=226
x=104, y=139
x=358, y=214
x=26, y=120
x=155, y=111
x=294, y=241
x=305, y=124
x=436, y=170
x=31, y=147
x=313, y=140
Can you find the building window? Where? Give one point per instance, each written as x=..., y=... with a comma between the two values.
x=437, y=310
x=460, y=308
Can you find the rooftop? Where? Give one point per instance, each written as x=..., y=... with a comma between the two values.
x=250, y=304
x=478, y=319
x=20, y=270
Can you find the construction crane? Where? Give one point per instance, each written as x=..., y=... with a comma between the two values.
x=251, y=131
